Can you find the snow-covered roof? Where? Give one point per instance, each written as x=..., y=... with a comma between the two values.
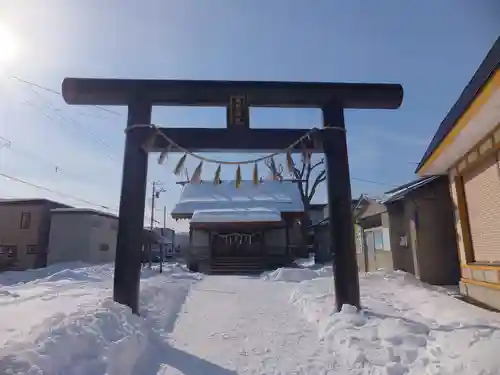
x=163, y=240
x=239, y=215
x=83, y=211
x=32, y=201
x=401, y=191
x=280, y=196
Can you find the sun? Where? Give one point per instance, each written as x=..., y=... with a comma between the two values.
x=9, y=47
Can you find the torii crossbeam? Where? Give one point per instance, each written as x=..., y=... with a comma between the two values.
x=237, y=96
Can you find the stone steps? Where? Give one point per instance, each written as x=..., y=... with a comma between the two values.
x=238, y=265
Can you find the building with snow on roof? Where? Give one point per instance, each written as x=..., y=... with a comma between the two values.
x=239, y=229
x=82, y=234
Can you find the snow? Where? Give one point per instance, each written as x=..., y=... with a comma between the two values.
x=62, y=320
x=294, y=275
x=406, y=327
x=305, y=262
x=88, y=211
x=280, y=196
x=229, y=215
x=402, y=190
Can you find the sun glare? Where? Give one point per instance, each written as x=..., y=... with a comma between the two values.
x=8, y=45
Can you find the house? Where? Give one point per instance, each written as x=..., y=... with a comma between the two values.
x=466, y=148
x=81, y=234
x=317, y=212
x=371, y=232
x=247, y=225
x=422, y=233
x=24, y=232
x=181, y=241
x=371, y=229
x=166, y=238
x=167, y=233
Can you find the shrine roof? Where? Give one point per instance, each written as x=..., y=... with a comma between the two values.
x=273, y=195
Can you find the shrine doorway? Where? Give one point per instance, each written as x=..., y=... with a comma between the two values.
x=237, y=244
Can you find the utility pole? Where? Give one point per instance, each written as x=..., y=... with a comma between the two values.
x=155, y=194
x=164, y=216
x=162, y=247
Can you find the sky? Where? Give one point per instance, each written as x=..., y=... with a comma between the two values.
x=430, y=47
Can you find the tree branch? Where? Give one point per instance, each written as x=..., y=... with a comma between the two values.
x=299, y=174
x=310, y=169
x=303, y=176
x=322, y=161
x=300, y=183
x=319, y=179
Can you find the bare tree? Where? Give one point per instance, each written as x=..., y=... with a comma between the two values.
x=308, y=175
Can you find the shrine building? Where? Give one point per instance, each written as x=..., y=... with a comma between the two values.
x=246, y=229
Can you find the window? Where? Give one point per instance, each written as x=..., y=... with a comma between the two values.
x=381, y=238
x=8, y=250
x=378, y=238
x=25, y=220
x=31, y=249
x=103, y=247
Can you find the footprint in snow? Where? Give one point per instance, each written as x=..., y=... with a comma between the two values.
x=6, y=293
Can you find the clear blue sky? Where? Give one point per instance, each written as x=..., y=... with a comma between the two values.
x=431, y=47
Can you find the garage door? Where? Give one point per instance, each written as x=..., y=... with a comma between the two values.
x=482, y=192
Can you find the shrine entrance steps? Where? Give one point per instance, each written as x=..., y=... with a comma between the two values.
x=244, y=265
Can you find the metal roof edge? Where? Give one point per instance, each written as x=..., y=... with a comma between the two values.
x=485, y=70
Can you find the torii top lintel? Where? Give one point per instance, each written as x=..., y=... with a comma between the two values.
x=96, y=91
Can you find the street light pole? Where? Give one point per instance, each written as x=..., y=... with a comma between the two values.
x=155, y=194
x=162, y=247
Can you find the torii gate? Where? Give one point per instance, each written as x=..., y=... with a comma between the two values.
x=237, y=96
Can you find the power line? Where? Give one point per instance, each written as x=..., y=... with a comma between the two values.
x=45, y=111
x=8, y=144
x=69, y=120
x=33, y=84
x=358, y=178
x=65, y=195
x=24, y=182
x=372, y=181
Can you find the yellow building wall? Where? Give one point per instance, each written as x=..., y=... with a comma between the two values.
x=475, y=278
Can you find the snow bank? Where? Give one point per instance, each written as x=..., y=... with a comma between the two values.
x=290, y=275
x=305, y=262
x=405, y=327
x=16, y=277
x=297, y=274
x=74, y=326
x=105, y=339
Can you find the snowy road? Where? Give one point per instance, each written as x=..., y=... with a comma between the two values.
x=62, y=320
x=246, y=326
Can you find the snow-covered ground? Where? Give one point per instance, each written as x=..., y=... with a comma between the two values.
x=62, y=320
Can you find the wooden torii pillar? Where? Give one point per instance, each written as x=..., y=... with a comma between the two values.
x=237, y=96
